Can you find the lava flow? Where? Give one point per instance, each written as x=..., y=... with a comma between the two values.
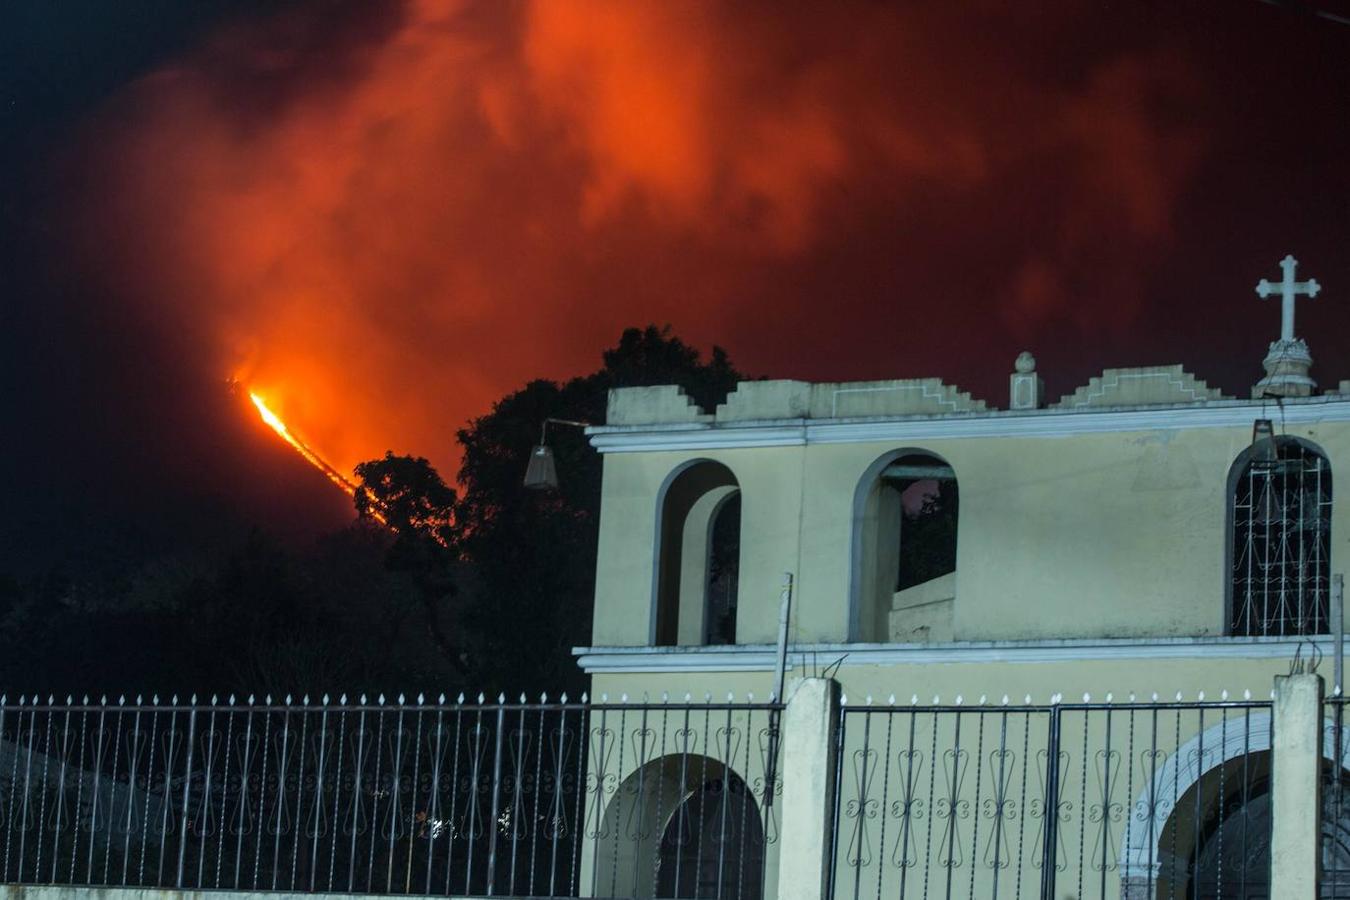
x=274, y=422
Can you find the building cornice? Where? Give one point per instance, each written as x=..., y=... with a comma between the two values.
x=761, y=657
x=1001, y=423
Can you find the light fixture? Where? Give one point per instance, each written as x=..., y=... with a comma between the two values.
x=1263, y=448
x=542, y=473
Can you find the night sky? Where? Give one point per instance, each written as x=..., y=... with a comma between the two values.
x=384, y=216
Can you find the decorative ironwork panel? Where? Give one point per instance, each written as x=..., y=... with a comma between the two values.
x=1090, y=800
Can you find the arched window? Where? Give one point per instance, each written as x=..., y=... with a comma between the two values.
x=1280, y=525
x=904, y=549
x=698, y=557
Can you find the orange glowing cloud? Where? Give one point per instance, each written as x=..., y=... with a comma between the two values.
x=382, y=225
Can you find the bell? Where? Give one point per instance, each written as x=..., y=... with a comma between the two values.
x=541, y=474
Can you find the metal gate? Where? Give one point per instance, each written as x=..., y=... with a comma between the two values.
x=1090, y=799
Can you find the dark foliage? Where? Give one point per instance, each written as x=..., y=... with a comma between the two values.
x=534, y=552
x=408, y=494
x=255, y=618
x=489, y=590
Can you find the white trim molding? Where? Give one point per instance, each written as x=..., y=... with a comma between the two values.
x=761, y=657
x=1056, y=422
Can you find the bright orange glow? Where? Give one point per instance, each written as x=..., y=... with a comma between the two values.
x=398, y=214
x=274, y=422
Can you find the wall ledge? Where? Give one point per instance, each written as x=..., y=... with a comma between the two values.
x=760, y=657
x=1056, y=422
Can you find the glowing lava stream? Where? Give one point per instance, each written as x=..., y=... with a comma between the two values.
x=333, y=475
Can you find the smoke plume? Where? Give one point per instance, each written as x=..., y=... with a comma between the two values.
x=381, y=221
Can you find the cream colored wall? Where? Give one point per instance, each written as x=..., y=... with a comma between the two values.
x=1105, y=535
x=1095, y=535
x=923, y=612
x=971, y=680
x=769, y=481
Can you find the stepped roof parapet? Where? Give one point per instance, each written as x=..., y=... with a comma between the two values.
x=1141, y=386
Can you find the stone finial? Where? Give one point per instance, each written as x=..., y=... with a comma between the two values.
x=1287, y=366
x=1026, y=390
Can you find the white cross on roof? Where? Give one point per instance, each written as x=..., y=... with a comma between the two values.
x=1288, y=289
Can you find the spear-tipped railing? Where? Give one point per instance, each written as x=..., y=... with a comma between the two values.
x=463, y=796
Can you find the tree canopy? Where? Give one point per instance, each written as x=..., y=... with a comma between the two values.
x=488, y=587
x=407, y=494
x=534, y=552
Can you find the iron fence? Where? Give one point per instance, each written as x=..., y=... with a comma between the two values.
x=666, y=799
x=1335, y=880
x=1131, y=800
x=547, y=799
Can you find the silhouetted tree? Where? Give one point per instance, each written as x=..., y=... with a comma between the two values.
x=533, y=553
x=408, y=494
x=491, y=589
x=412, y=501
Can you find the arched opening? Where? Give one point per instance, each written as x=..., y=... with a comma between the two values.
x=1279, y=515
x=1222, y=826
x=698, y=557
x=724, y=569
x=904, y=549
x=1201, y=822
x=681, y=825
x=1218, y=838
x=713, y=845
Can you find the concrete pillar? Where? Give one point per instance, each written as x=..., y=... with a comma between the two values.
x=807, y=812
x=1296, y=770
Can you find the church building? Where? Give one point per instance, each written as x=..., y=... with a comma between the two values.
x=1144, y=538
x=1143, y=533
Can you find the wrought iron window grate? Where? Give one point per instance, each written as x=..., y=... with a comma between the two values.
x=1281, y=543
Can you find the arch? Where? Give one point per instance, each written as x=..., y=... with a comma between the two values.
x=1190, y=778
x=689, y=505
x=676, y=825
x=1175, y=779
x=1278, y=539
x=1230, y=849
x=713, y=844
x=876, y=547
